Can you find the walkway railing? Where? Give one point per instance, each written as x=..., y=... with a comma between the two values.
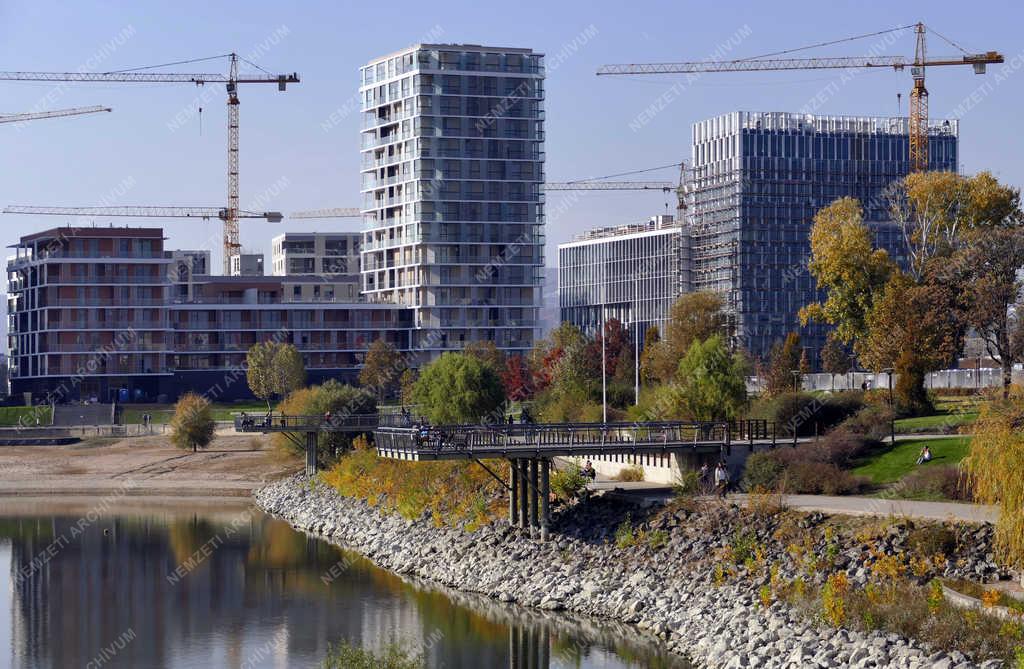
x=549, y=438
x=277, y=422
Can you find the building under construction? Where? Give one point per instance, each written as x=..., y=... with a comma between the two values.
x=758, y=180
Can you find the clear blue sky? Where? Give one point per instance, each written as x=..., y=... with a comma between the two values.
x=596, y=126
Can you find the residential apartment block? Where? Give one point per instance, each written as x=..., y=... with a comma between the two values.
x=630, y=272
x=452, y=167
x=108, y=313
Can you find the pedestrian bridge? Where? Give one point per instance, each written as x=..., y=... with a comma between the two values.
x=462, y=442
x=529, y=448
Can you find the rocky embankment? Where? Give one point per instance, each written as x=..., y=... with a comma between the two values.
x=668, y=591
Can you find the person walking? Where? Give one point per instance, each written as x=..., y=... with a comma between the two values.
x=721, y=480
x=703, y=478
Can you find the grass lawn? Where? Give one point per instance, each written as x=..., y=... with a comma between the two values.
x=162, y=413
x=939, y=423
x=892, y=464
x=9, y=416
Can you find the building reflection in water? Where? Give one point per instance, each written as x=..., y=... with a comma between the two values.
x=242, y=590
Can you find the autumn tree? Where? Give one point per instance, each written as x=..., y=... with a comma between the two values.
x=847, y=267
x=192, y=425
x=457, y=388
x=406, y=382
x=940, y=212
x=834, y=359
x=783, y=360
x=517, y=379
x=992, y=296
x=274, y=369
x=651, y=338
x=486, y=352
x=382, y=368
x=712, y=381
x=913, y=328
x=693, y=317
x=617, y=343
x=993, y=465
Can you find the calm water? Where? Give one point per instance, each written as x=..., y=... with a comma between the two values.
x=230, y=587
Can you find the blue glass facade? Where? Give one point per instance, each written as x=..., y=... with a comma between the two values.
x=759, y=178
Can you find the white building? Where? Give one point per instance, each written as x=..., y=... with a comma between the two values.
x=452, y=167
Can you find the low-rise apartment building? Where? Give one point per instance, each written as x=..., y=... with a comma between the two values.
x=108, y=313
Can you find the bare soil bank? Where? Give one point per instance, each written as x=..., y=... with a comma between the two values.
x=232, y=466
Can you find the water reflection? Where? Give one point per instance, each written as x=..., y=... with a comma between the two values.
x=235, y=588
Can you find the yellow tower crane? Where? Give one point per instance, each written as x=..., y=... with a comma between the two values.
x=231, y=80
x=918, y=129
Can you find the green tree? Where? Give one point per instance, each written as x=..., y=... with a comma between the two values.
x=834, y=359
x=274, y=369
x=712, y=381
x=338, y=399
x=457, y=388
x=783, y=360
x=846, y=266
x=192, y=425
x=381, y=369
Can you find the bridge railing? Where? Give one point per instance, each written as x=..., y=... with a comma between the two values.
x=278, y=422
x=499, y=436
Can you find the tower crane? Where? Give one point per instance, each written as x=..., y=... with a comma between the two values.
x=31, y=116
x=600, y=183
x=918, y=128
x=231, y=80
x=204, y=213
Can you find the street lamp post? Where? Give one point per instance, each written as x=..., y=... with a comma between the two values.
x=604, y=371
x=796, y=379
x=892, y=411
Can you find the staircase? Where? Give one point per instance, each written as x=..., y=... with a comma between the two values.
x=69, y=415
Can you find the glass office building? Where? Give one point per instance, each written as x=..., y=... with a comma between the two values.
x=452, y=167
x=758, y=180
x=631, y=272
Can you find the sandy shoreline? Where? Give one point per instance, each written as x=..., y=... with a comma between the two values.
x=141, y=467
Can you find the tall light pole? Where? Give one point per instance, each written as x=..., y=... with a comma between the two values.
x=636, y=339
x=892, y=410
x=604, y=371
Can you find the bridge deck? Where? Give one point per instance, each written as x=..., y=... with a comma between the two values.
x=459, y=442
x=362, y=422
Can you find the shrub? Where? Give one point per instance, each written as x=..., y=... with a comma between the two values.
x=872, y=422
x=763, y=471
x=820, y=478
x=568, y=482
x=686, y=484
x=340, y=399
x=805, y=412
x=842, y=446
x=631, y=473
x=937, y=481
x=930, y=540
x=624, y=535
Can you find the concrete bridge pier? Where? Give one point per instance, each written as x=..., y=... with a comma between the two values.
x=513, y=493
x=534, y=501
x=545, y=491
x=524, y=493
x=311, y=441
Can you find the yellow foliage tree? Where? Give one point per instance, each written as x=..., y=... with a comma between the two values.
x=994, y=464
x=845, y=264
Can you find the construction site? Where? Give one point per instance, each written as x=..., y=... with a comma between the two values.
x=452, y=244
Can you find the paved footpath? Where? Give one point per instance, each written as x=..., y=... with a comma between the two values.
x=643, y=492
